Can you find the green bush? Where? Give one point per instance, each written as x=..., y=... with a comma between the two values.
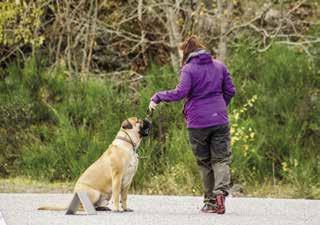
x=54, y=126
x=285, y=116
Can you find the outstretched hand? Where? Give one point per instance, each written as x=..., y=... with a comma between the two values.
x=152, y=105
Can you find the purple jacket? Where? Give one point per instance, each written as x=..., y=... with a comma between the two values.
x=207, y=88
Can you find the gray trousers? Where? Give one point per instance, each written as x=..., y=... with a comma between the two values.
x=211, y=147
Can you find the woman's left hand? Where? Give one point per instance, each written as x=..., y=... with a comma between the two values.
x=152, y=105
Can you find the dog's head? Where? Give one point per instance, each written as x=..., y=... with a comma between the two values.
x=143, y=127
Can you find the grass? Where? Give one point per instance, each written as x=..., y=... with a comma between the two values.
x=27, y=185
x=265, y=190
x=279, y=190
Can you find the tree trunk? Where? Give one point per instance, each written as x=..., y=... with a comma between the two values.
x=174, y=33
x=224, y=12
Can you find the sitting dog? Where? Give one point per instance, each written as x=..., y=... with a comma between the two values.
x=112, y=174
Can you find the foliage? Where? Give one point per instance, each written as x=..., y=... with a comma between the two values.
x=57, y=113
x=285, y=116
x=53, y=126
x=20, y=22
x=242, y=138
x=107, y=36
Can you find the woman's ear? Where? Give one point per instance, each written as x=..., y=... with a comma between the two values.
x=126, y=125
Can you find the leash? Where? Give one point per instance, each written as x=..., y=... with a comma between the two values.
x=149, y=114
x=148, y=117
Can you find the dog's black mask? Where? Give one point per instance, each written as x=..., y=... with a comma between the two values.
x=145, y=128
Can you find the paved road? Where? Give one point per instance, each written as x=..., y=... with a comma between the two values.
x=20, y=209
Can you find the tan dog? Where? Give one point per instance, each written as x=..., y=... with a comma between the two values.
x=112, y=173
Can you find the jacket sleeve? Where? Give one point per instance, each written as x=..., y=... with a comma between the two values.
x=181, y=90
x=228, y=87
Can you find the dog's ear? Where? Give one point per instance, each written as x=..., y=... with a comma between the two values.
x=126, y=125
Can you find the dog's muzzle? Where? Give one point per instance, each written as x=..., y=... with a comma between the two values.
x=145, y=128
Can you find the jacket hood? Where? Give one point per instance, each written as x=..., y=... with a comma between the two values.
x=200, y=56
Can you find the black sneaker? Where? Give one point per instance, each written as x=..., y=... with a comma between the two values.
x=209, y=206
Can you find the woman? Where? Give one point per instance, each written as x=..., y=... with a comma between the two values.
x=207, y=88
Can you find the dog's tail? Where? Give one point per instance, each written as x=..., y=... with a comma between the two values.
x=52, y=208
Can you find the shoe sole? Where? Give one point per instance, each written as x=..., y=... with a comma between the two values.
x=207, y=211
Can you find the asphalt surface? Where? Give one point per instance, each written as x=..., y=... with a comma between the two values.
x=20, y=209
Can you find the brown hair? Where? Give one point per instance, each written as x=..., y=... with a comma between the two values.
x=190, y=45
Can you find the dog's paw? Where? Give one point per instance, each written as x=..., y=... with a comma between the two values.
x=102, y=208
x=117, y=210
x=128, y=210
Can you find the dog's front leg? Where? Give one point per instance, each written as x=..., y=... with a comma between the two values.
x=124, y=197
x=116, y=187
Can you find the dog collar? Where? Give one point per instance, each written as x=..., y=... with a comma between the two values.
x=127, y=140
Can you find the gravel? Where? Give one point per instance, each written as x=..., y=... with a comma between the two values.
x=20, y=209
